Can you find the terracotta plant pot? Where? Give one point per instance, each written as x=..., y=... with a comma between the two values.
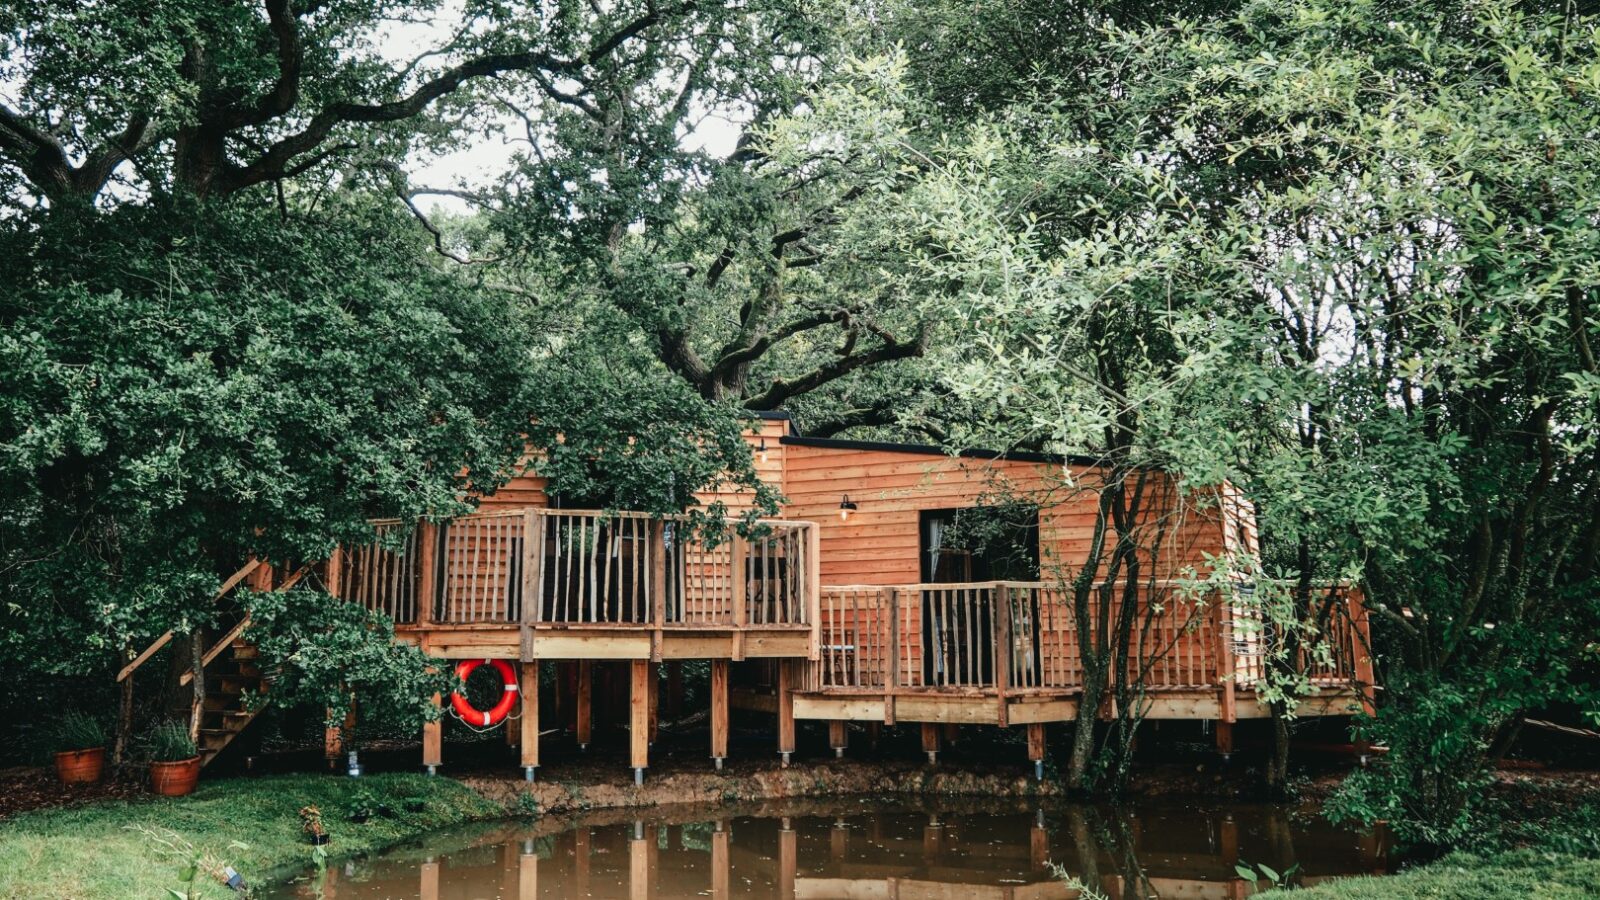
x=80, y=766
x=174, y=779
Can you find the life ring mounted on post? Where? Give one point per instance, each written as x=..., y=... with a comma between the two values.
x=508, y=698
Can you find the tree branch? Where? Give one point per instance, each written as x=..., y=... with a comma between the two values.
x=782, y=389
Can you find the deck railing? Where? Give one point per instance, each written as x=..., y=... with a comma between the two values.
x=1022, y=637
x=585, y=567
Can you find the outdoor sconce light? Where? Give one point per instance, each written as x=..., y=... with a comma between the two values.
x=761, y=451
x=846, y=508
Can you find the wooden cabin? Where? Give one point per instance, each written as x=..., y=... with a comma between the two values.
x=899, y=584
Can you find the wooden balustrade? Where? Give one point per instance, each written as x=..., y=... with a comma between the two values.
x=1022, y=637
x=584, y=567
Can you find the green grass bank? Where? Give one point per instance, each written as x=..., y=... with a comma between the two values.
x=137, y=848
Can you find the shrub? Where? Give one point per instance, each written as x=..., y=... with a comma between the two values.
x=170, y=742
x=78, y=731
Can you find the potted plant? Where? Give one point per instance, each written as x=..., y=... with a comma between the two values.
x=311, y=824
x=80, y=749
x=174, y=762
x=364, y=804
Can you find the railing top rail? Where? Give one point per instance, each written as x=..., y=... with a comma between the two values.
x=970, y=585
x=604, y=514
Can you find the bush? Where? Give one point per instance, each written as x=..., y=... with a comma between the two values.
x=170, y=742
x=78, y=731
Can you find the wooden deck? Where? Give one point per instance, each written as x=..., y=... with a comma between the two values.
x=535, y=584
x=1006, y=653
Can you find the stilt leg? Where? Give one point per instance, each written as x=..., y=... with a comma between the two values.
x=433, y=741
x=719, y=711
x=838, y=736
x=528, y=873
x=1036, y=748
x=638, y=864
x=1225, y=740
x=785, y=709
x=584, y=715
x=720, y=867
x=788, y=859
x=655, y=702
x=529, y=731
x=930, y=741
x=639, y=718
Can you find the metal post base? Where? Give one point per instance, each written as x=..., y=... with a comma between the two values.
x=717, y=761
x=638, y=776
x=838, y=752
x=933, y=757
x=1038, y=770
x=583, y=747
x=527, y=772
x=432, y=770
x=785, y=754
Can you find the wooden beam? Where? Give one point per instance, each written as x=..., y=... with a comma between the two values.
x=719, y=710
x=655, y=701
x=1036, y=742
x=529, y=730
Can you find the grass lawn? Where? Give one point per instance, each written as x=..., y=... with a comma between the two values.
x=124, y=849
x=1512, y=876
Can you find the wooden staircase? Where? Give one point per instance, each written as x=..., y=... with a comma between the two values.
x=223, y=714
x=230, y=668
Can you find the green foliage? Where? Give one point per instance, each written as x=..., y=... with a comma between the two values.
x=77, y=730
x=170, y=742
x=328, y=654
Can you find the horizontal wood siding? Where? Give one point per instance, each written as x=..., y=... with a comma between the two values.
x=879, y=543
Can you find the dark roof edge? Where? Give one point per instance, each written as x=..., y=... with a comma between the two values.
x=931, y=450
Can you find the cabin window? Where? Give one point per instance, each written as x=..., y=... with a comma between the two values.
x=980, y=543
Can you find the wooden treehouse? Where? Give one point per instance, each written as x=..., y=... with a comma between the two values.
x=869, y=599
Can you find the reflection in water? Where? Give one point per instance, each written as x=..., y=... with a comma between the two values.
x=853, y=849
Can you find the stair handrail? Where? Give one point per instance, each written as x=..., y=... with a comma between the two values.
x=227, y=586
x=223, y=642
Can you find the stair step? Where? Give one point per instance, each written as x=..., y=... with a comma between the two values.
x=246, y=669
x=215, y=738
x=238, y=684
x=241, y=650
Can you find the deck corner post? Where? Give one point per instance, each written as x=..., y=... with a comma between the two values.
x=1003, y=651
x=1036, y=748
x=813, y=587
x=583, y=714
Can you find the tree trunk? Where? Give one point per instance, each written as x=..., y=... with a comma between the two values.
x=197, y=650
x=124, y=715
x=1278, y=764
x=1078, y=780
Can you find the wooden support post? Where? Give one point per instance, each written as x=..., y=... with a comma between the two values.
x=788, y=859
x=530, y=719
x=583, y=724
x=739, y=585
x=428, y=561
x=838, y=736
x=433, y=740
x=334, y=737
x=719, y=711
x=786, y=679
x=427, y=571
x=655, y=702
x=930, y=741
x=720, y=862
x=1036, y=747
x=1225, y=739
x=891, y=602
x=838, y=841
x=658, y=585
x=932, y=839
x=639, y=718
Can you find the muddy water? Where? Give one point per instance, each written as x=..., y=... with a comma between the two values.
x=857, y=849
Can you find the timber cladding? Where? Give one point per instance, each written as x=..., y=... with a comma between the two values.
x=880, y=541
x=892, y=485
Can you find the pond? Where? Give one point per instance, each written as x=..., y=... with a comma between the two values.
x=858, y=848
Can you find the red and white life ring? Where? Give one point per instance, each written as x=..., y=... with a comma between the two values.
x=471, y=714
